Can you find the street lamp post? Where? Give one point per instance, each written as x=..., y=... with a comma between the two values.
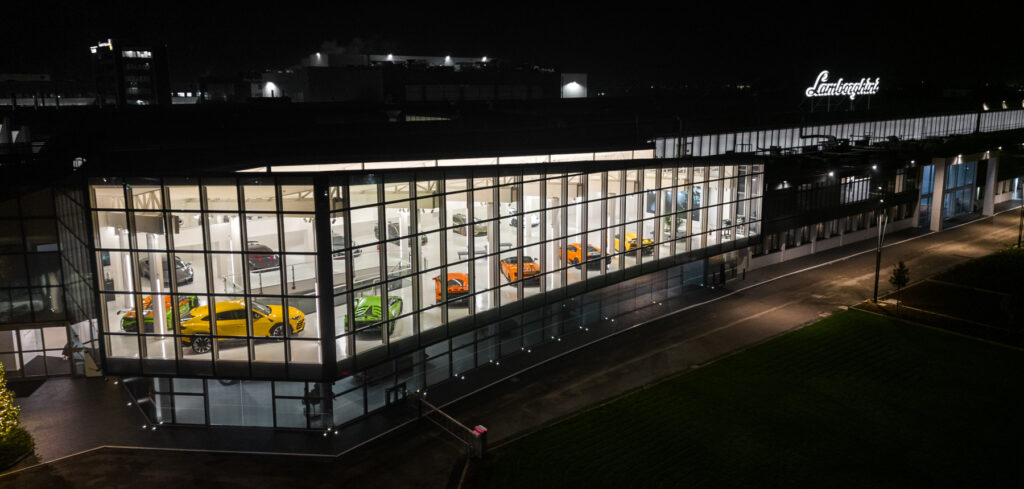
x=883, y=218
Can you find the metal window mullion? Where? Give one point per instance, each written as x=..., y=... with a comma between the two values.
x=206, y=401
x=519, y=219
x=208, y=259
x=94, y=269
x=495, y=250
x=417, y=257
x=324, y=245
x=673, y=217
x=282, y=263
x=442, y=197
x=470, y=250
x=543, y=238
x=602, y=262
x=382, y=235
x=657, y=217
x=584, y=225
x=563, y=219
x=273, y=402
x=346, y=215
x=171, y=249
x=133, y=246
x=243, y=233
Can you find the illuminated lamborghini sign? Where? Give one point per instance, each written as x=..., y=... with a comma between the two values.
x=824, y=88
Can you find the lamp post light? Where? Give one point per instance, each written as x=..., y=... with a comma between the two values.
x=883, y=219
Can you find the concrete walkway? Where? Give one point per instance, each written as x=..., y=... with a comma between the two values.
x=770, y=301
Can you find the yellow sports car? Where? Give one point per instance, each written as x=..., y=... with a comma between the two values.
x=646, y=245
x=266, y=321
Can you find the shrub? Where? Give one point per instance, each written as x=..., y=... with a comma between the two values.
x=15, y=442
x=14, y=446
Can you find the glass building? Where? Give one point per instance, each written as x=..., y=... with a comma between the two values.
x=312, y=295
x=303, y=279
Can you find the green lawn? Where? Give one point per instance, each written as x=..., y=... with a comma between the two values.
x=1000, y=271
x=852, y=401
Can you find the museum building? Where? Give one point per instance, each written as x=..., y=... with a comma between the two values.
x=299, y=269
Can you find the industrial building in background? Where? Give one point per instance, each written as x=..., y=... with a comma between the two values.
x=130, y=74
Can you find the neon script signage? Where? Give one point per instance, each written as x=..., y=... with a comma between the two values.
x=824, y=88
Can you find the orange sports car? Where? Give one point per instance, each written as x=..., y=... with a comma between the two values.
x=575, y=255
x=458, y=287
x=510, y=268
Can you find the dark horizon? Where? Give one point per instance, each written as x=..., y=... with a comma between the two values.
x=681, y=45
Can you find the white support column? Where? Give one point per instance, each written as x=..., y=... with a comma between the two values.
x=988, y=202
x=938, y=189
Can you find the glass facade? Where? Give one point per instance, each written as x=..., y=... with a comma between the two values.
x=223, y=272
x=33, y=314
x=405, y=259
x=416, y=251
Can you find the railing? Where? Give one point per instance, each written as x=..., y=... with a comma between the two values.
x=474, y=439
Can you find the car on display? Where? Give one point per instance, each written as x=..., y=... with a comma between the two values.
x=646, y=245
x=231, y=321
x=130, y=321
x=368, y=312
x=183, y=272
x=459, y=220
x=534, y=220
x=458, y=287
x=510, y=269
x=393, y=231
x=338, y=242
x=574, y=256
x=261, y=257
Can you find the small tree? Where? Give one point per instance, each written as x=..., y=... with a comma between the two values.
x=8, y=411
x=900, y=278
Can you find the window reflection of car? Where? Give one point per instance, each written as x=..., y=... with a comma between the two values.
x=231, y=321
x=338, y=244
x=510, y=269
x=457, y=290
x=183, y=272
x=369, y=315
x=130, y=321
x=575, y=255
x=631, y=244
x=459, y=220
x=261, y=256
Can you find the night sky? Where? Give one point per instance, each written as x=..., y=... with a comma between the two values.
x=672, y=44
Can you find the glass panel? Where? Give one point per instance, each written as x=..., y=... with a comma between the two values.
x=222, y=197
x=297, y=198
x=260, y=198
x=183, y=197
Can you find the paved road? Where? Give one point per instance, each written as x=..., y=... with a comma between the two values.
x=693, y=337
x=421, y=457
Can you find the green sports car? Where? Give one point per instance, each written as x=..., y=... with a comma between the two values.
x=130, y=321
x=369, y=313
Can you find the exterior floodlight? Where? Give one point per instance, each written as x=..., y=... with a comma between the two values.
x=484, y=59
x=831, y=173
x=874, y=167
x=391, y=57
